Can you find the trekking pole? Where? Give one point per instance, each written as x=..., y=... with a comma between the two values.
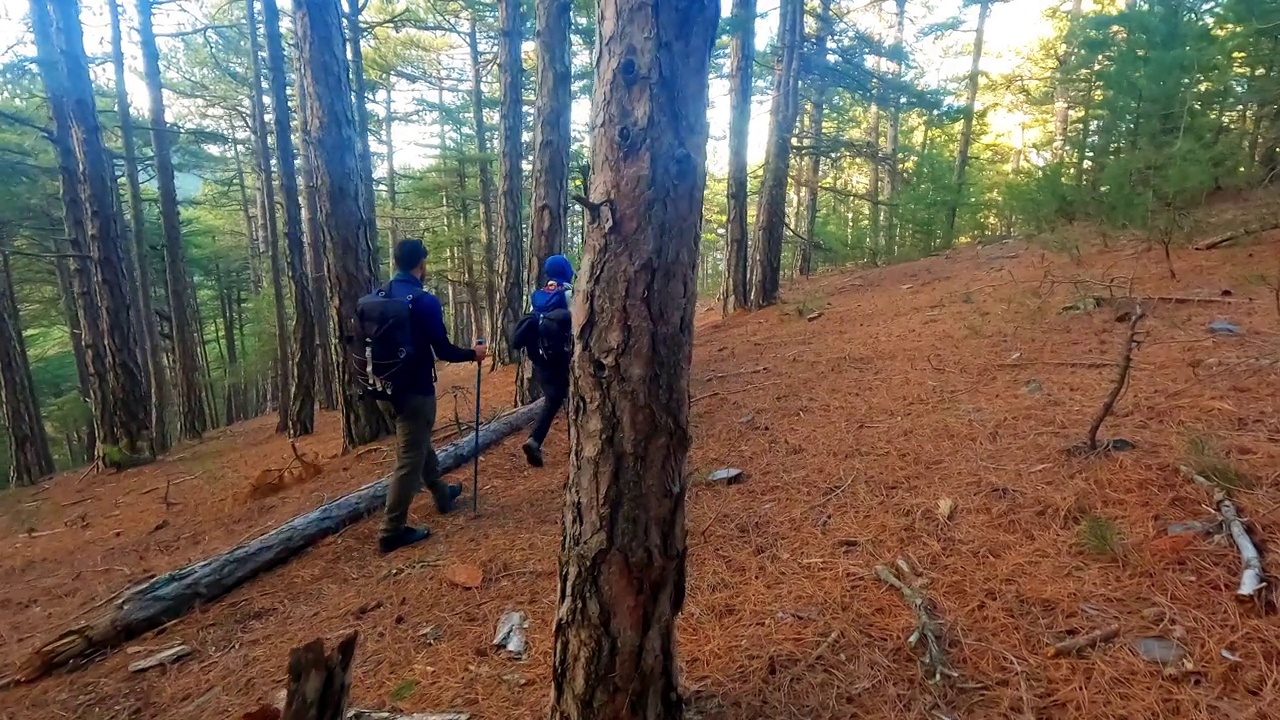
x=475, y=475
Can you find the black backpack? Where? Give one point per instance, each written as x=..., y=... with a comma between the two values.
x=385, y=342
x=547, y=338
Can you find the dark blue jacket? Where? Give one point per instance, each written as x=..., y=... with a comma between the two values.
x=428, y=331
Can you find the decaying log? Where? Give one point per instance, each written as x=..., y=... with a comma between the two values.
x=319, y=682
x=1224, y=238
x=150, y=605
x=1252, y=577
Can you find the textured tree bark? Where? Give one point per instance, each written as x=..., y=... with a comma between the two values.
x=771, y=212
x=70, y=311
x=966, y=128
x=191, y=411
x=510, y=71
x=149, y=347
x=890, y=238
x=29, y=456
x=262, y=150
x=735, y=292
x=486, y=178
x=813, y=168
x=302, y=393
x=360, y=101
x=351, y=261
x=124, y=433
x=316, y=273
x=470, y=281
x=234, y=401
x=622, y=556
x=320, y=682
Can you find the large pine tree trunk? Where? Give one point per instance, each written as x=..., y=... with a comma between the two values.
x=149, y=349
x=361, y=106
x=813, y=168
x=191, y=414
x=735, y=292
x=966, y=128
x=70, y=311
x=510, y=71
x=771, y=212
x=302, y=394
x=267, y=195
x=29, y=456
x=124, y=433
x=622, y=557
x=316, y=273
x=331, y=131
x=486, y=178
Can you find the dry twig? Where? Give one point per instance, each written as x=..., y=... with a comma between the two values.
x=929, y=630
x=748, y=388
x=1131, y=343
x=1082, y=642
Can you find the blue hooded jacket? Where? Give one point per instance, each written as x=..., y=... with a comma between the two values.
x=559, y=270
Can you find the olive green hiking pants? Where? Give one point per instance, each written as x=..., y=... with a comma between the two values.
x=416, y=462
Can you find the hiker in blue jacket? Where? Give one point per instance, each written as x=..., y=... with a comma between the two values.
x=408, y=316
x=546, y=336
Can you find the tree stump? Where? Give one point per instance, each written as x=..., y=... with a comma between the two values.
x=319, y=682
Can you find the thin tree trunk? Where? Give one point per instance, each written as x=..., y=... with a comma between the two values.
x=125, y=435
x=510, y=151
x=966, y=129
x=813, y=169
x=393, y=222
x=284, y=374
x=191, y=413
x=735, y=292
x=874, y=180
x=29, y=456
x=623, y=553
x=469, y=279
x=361, y=105
x=352, y=262
x=317, y=276
x=68, y=289
x=251, y=235
x=771, y=212
x=302, y=394
x=892, y=141
x=149, y=348
x=486, y=179
x=1061, y=93
x=235, y=411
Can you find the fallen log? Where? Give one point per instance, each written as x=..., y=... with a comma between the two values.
x=1224, y=238
x=162, y=600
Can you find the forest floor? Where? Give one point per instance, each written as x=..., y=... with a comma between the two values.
x=926, y=414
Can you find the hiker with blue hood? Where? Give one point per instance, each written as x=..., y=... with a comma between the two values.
x=546, y=337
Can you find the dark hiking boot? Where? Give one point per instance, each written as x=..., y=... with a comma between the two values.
x=445, y=503
x=533, y=452
x=406, y=537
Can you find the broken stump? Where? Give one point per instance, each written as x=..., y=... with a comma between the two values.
x=320, y=682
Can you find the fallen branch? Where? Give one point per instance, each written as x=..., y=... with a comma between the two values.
x=748, y=371
x=748, y=388
x=1082, y=642
x=170, y=596
x=1073, y=363
x=1224, y=238
x=929, y=631
x=1131, y=342
x=1183, y=299
x=1252, y=576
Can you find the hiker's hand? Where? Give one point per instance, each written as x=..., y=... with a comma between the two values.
x=481, y=351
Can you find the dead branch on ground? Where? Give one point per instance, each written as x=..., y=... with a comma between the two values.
x=748, y=388
x=1131, y=343
x=1252, y=576
x=748, y=371
x=929, y=631
x=1082, y=642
